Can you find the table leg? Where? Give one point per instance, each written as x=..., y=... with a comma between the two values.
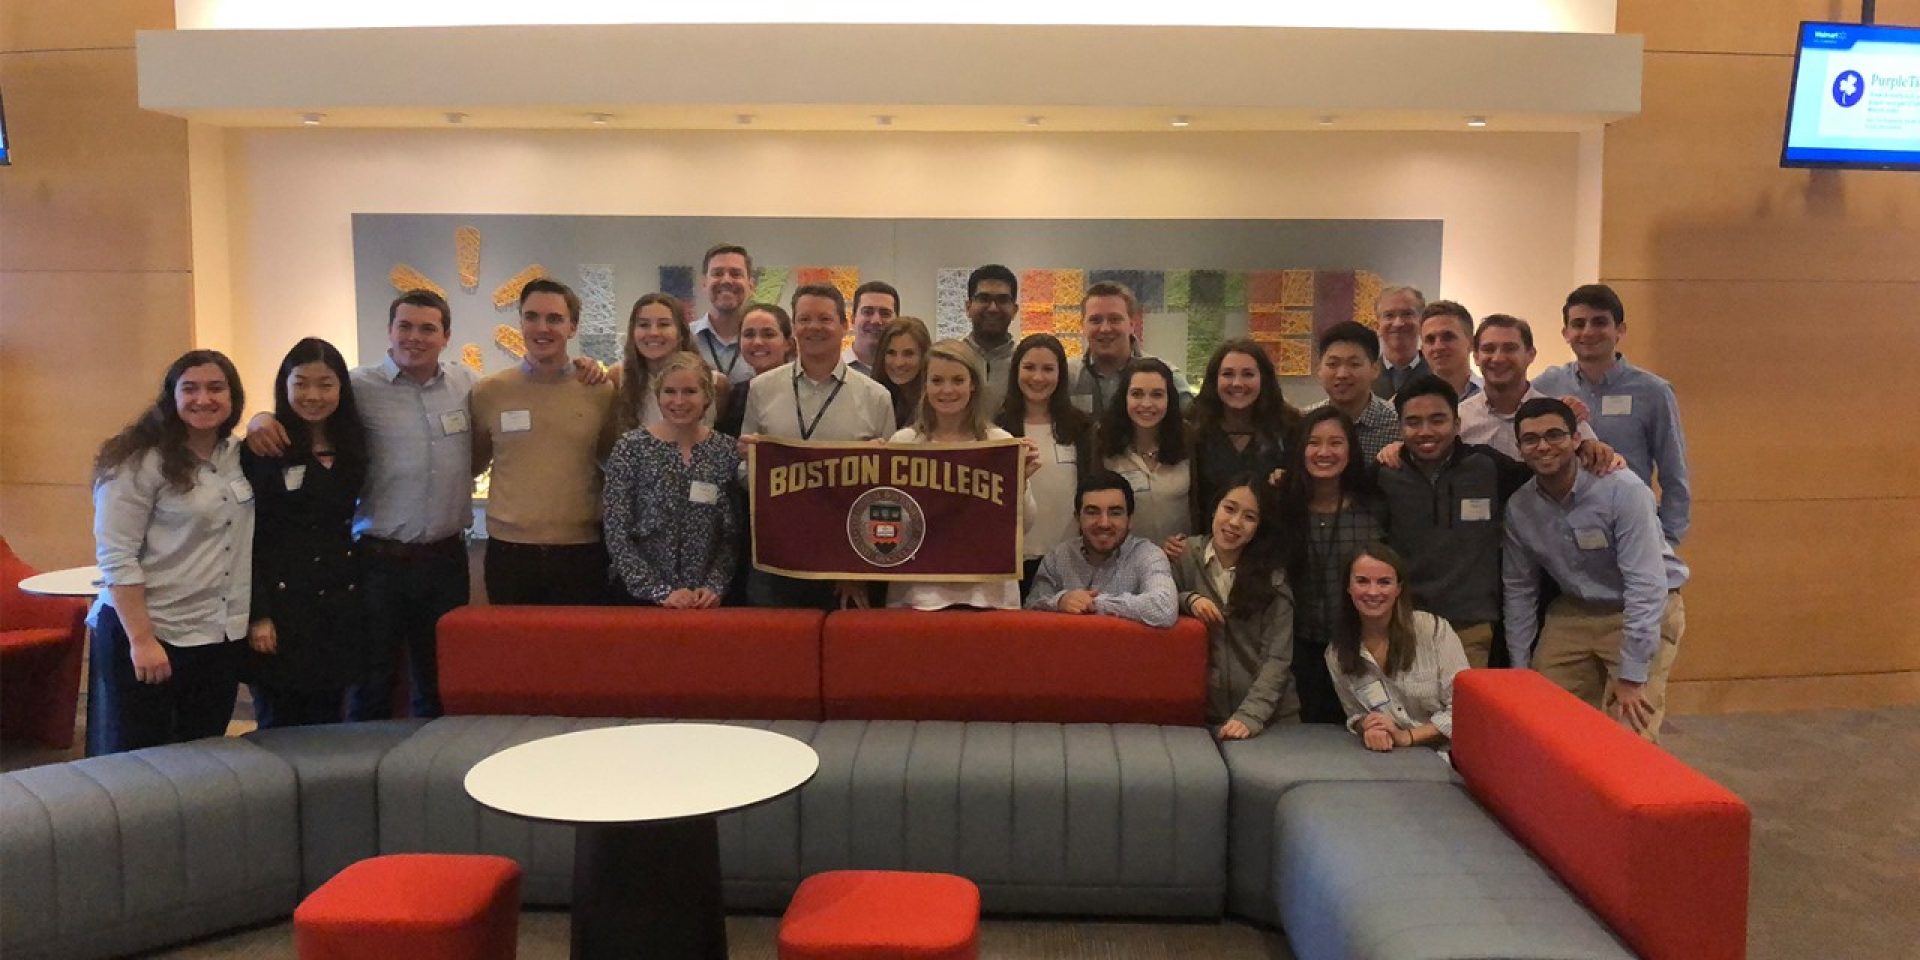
x=648, y=890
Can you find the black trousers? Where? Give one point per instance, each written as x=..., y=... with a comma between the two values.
x=406, y=594
x=277, y=707
x=571, y=574
x=1319, y=703
x=125, y=714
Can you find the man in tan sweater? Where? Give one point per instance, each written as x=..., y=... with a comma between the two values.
x=546, y=435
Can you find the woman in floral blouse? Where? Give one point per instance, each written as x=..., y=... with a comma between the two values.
x=670, y=518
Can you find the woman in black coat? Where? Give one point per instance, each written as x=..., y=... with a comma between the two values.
x=308, y=633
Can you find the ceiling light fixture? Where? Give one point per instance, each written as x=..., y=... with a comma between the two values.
x=1476, y=121
x=1035, y=120
x=743, y=119
x=1182, y=121
x=599, y=119
x=311, y=119
x=456, y=118
x=1327, y=120
x=883, y=120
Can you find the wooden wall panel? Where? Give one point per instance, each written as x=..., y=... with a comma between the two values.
x=1693, y=187
x=1782, y=305
x=1741, y=26
x=62, y=399
x=1796, y=588
x=97, y=183
x=51, y=525
x=1784, y=387
x=78, y=24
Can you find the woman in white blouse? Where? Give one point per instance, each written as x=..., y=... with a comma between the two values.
x=1393, y=666
x=1143, y=438
x=953, y=410
x=173, y=534
x=1039, y=406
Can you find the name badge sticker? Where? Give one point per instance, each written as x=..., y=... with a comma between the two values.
x=516, y=421
x=1373, y=696
x=1065, y=453
x=1618, y=405
x=1138, y=480
x=453, y=423
x=700, y=491
x=1476, y=508
x=294, y=477
x=1590, y=538
x=241, y=489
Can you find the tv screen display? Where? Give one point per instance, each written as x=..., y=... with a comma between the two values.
x=1856, y=98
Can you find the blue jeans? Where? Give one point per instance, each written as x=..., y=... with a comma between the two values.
x=405, y=598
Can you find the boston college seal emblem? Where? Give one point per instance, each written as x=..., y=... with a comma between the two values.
x=886, y=526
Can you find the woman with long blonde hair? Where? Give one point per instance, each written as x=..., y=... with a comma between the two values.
x=953, y=409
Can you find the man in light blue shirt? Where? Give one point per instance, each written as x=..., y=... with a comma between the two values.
x=1611, y=636
x=1633, y=411
x=726, y=274
x=1107, y=570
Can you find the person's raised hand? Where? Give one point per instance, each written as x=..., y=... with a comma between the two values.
x=587, y=370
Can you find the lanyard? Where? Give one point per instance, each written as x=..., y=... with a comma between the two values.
x=713, y=353
x=806, y=429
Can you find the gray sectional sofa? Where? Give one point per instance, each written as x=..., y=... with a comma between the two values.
x=112, y=855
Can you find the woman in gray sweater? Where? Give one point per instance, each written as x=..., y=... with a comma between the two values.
x=1234, y=580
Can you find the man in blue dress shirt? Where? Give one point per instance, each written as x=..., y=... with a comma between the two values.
x=1611, y=636
x=1632, y=410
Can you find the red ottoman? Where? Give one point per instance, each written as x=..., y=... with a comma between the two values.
x=873, y=914
x=422, y=906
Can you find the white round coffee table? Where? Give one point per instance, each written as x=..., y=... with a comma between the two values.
x=71, y=582
x=642, y=800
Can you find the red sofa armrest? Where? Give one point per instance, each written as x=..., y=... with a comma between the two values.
x=1659, y=851
x=1011, y=665
x=729, y=663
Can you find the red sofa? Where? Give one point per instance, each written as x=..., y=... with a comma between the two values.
x=731, y=663
x=740, y=663
x=1654, y=847
x=42, y=641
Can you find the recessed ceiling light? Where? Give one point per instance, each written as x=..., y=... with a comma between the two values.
x=1476, y=121
x=1182, y=121
x=743, y=119
x=599, y=119
x=1035, y=120
x=1327, y=121
x=311, y=119
x=456, y=118
x=883, y=120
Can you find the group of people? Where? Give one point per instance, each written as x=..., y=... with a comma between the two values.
x=1347, y=559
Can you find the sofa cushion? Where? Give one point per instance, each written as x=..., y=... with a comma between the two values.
x=334, y=767
x=1418, y=871
x=1264, y=768
x=1126, y=820
x=120, y=854
x=631, y=662
x=1011, y=665
x=424, y=808
x=1658, y=849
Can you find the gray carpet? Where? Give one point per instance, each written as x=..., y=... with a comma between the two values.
x=1836, y=854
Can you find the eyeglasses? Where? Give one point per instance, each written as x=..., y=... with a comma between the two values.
x=1555, y=436
x=993, y=299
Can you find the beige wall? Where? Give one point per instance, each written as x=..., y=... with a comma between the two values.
x=1781, y=303
x=1510, y=202
x=95, y=261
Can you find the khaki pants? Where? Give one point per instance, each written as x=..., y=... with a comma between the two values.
x=1477, y=640
x=1579, y=650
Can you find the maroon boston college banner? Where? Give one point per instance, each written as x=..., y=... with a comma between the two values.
x=869, y=511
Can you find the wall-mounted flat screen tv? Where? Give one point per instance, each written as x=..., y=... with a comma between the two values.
x=1855, y=101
